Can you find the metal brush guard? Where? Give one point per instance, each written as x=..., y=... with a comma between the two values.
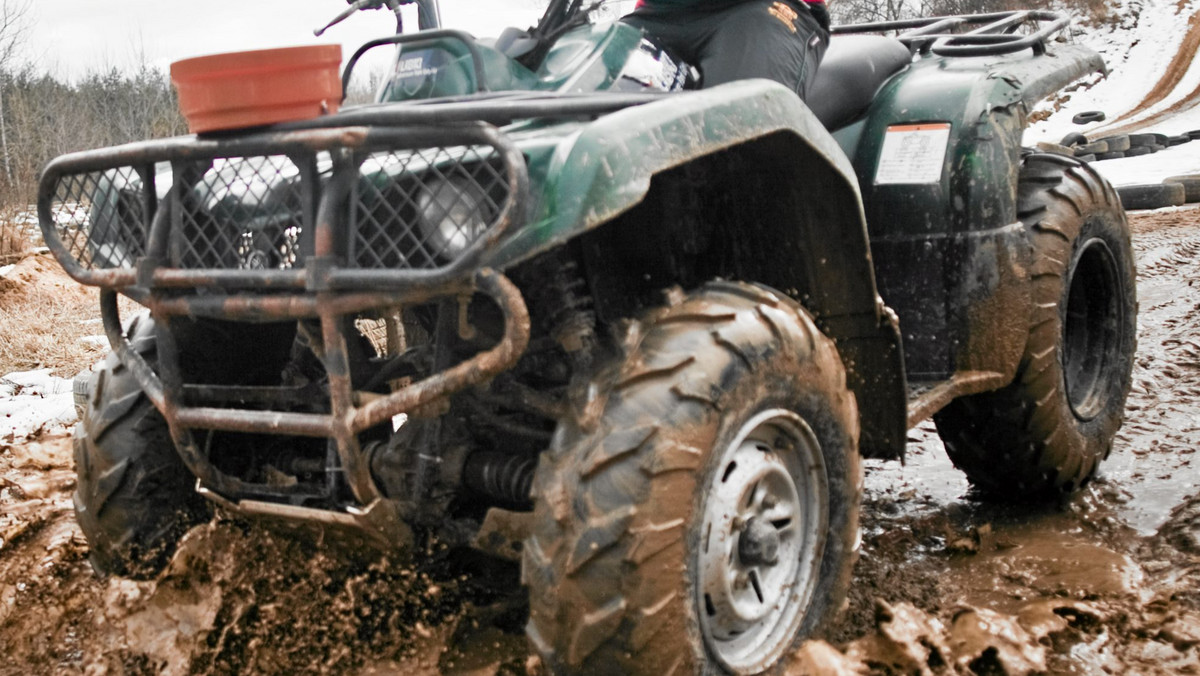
x=293, y=224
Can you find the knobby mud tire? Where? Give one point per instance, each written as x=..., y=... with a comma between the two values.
x=620, y=494
x=134, y=497
x=1033, y=438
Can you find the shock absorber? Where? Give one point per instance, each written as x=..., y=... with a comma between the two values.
x=573, y=323
x=505, y=478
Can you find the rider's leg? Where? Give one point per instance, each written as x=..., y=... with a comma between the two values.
x=779, y=40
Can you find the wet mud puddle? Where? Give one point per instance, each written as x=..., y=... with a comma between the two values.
x=1105, y=582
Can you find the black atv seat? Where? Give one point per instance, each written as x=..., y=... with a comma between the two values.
x=853, y=70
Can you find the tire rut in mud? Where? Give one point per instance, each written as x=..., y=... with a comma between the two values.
x=1171, y=78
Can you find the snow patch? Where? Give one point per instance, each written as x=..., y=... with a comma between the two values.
x=32, y=402
x=1137, y=50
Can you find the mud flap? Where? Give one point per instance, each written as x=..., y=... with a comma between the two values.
x=871, y=349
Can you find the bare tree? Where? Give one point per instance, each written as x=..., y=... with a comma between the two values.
x=861, y=11
x=13, y=28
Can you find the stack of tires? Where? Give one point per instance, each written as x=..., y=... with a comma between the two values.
x=1122, y=145
x=1173, y=191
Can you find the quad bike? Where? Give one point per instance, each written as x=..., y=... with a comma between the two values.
x=549, y=285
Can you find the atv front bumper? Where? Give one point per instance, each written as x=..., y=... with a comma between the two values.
x=311, y=224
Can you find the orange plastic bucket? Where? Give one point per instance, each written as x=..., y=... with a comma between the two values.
x=265, y=86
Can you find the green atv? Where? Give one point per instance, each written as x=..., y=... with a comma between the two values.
x=549, y=298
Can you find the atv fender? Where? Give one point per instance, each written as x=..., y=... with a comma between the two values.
x=811, y=224
x=951, y=256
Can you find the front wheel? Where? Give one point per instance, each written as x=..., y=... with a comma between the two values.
x=706, y=518
x=134, y=498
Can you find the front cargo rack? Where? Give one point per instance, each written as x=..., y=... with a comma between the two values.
x=970, y=34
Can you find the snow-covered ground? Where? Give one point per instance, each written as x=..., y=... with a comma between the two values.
x=32, y=402
x=1137, y=51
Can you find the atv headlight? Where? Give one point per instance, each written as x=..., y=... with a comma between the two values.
x=454, y=212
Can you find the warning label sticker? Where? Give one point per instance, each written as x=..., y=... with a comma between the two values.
x=913, y=153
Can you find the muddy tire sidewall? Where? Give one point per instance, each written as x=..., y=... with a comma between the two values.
x=1041, y=435
x=612, y=564
x=134, y=497
x=1088, y=427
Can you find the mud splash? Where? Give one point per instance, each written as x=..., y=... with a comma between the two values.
x=236, y=599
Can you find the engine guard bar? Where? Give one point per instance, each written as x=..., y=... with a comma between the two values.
x=327, y=288
x=351, y=412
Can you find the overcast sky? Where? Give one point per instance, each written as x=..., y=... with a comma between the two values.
x=71, y=37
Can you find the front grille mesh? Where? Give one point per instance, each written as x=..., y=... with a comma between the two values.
x=456, y=192
x=242, y=214
x=406, y=209
x=101, y=219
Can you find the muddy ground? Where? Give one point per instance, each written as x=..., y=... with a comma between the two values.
x=1106, y=582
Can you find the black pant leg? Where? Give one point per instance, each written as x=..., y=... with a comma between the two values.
x=683, y=32
x=775, y=39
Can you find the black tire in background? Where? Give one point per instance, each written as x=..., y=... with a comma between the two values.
x=1046, y=147
x=1142, y=140
x=1089, y=117
x=1191, y=186
x=1138, y=151
x=627, y=530
x=1073, y=139
x=1117, y=144
x=134, y=498
x=1093, y=148
x=1152, y=195
x=1112, y=155
x=1046, y=432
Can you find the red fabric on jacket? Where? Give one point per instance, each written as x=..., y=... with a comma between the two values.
x=811, y=2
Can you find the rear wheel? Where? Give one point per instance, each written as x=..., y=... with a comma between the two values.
x=1048, y=430
x=706, y=518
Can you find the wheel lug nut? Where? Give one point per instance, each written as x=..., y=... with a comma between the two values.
x=769, y=502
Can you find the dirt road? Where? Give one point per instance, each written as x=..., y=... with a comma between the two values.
x=1106, y=582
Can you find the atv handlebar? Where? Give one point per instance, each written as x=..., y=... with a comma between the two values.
x=429, y=14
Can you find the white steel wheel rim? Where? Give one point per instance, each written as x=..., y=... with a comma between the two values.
x=758, y=557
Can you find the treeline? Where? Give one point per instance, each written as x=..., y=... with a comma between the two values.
x=44, y=117
x=862, y=11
